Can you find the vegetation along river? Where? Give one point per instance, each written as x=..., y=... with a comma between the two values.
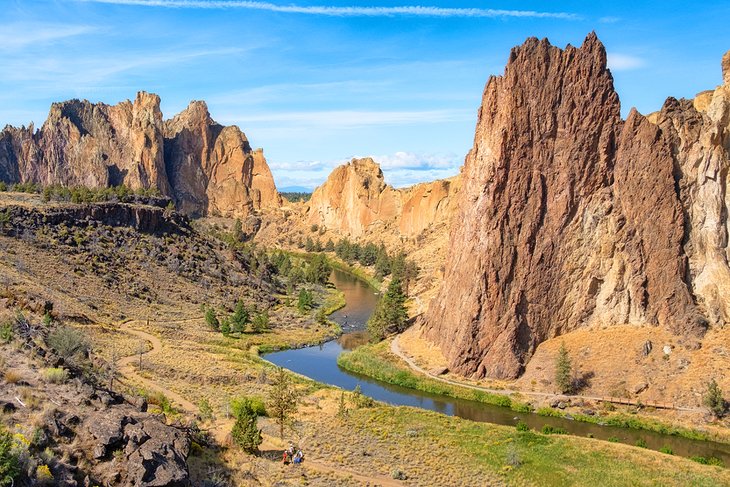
x=320, y=363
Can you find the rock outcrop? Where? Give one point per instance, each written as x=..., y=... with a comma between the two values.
x=205, y=167
x=355, y=201
x=571, y=217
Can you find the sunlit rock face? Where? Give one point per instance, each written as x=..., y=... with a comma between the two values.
x=569, y=216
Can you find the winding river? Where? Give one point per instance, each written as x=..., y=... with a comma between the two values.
x=320, y=363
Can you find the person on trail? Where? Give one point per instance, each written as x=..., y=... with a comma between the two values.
x=299, y=457
x=286, y=458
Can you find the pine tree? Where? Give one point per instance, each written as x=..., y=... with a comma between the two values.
x=239, y=318
x=245, y=432
x=211, y=319
x=713, y=399
x=282, y=400
x=390, y=315
x=563, y=371
x=260, y=322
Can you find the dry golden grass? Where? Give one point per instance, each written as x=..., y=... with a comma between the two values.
x=12, y=376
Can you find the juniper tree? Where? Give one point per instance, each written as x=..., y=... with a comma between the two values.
x=390, y=313
x=563, y=370
x=246, y=433
x=282, y=399
x=713, y=399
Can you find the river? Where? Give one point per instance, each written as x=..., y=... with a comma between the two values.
x=320, y=363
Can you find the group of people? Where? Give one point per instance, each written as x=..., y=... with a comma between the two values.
x=291, y=457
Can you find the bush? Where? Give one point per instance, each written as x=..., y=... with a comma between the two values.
x=43, y=475
x=666, y=449
x=6, y=332
x=613, y=439
x=641, y=443
x=253, y=403
x=67, y=342
x=553, y=430
x=9, y=463
x=707, y=460
x=563, y=370
x=260, y=322
x=55, y=375
x=522, y=426
x=713, y=399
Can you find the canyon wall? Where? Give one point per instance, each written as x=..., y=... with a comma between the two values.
x=355, y=201
x=205, y=167
x=570, y=216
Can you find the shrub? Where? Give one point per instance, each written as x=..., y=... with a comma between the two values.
x=707, y=460
x=398, y=474
x=13, y=376
x=9, y=463
x=521, y=407
x=613, y=439
x=260, y=322
x=67, y=342
x=161, y=401
x=206, y=411
x=563, y=370
x=641, y=443
x=360, y=400
x=666, y=449
x=55, y=375
x=43, y=475
x=6, y=332
x=512, y=458
x=553, y=430
x=253, y=403
x=549, y=412
x=713, y=399
x=240, y=317
x=522, y=426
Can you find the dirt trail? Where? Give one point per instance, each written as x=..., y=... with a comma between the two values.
x=126, y=367
x=221, y=427
x=396, y=350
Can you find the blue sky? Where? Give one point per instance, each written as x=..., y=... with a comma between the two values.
x=317, y=82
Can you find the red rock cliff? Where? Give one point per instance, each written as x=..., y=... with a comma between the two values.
x=569, y=216
x=205, y=167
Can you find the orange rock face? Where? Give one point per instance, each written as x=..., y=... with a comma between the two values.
x=356, y=201
x=205, y=167
x=570, y=217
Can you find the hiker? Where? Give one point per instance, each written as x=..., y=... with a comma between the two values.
x=286, y=458
x=299, y=457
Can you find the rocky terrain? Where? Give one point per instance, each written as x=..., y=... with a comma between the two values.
x=208, y=169
x=570, y=217
x=356, y=203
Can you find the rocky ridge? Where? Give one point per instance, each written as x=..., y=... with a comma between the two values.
x=571, y=217
x=205, y=167
x=355, y=201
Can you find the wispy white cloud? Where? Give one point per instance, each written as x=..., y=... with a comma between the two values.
x=417, y=161
x=624, y=62
x=22, y=34
x=335, y=11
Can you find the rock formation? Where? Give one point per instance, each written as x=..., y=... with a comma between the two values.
x=205, y=167
x=356, y=201
x=570, y=217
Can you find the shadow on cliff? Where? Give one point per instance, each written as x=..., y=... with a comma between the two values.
x=582, y=381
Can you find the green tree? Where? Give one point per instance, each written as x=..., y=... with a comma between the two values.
x=390, y=313
x=382, y=263
x=319, y=269
x=211, y=319
x=306, y=301
x=329, y=246
x=246, y=433
x=9, y=464
x=67, y=342
x=713, y=399
x=282, y=400
x=225, y=327
x=563, y=370
x=260, y=322
x=239, y=318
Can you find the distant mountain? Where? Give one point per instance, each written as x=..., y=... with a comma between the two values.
x=295, y=189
